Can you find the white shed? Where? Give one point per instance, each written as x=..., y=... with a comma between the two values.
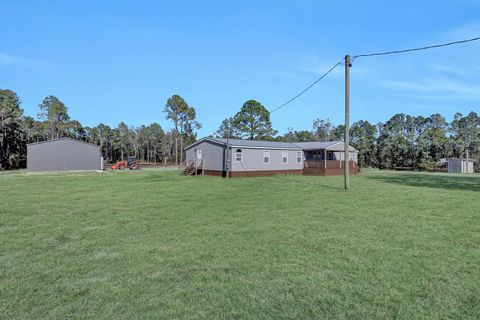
x=460, y=165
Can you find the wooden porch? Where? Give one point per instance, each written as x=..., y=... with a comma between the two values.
x=328, y=167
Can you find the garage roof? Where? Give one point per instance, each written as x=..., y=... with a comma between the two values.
x=63, y=138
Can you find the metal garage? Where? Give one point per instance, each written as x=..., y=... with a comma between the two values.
x=64, y=154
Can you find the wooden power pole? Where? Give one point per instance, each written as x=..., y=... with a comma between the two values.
x=227, y=169
x=346, y=156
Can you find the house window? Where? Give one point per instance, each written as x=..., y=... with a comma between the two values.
x=299, y=156
x=238, y=155
x=284, y=157
x=266, y=157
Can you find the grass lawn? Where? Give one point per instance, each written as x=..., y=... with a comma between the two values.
x=155, y=245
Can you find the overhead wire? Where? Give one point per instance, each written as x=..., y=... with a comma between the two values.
x=307, y=88
x=415, y=49
x=354, y=57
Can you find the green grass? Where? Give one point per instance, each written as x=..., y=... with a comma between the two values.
x=156, y=245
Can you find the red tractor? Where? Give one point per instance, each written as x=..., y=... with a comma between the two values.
x=131, y=164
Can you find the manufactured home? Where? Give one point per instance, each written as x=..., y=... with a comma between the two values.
x=63, y=154
x=217, y=156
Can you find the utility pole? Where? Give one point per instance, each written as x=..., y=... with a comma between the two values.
x=346, y=155
x=228, y=154
x=466, y=143
x=466, y=148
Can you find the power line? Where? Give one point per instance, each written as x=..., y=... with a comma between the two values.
x=415, y=49
x=307, y=88
x=371, y=55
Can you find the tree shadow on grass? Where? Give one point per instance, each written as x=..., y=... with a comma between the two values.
x=453, y=182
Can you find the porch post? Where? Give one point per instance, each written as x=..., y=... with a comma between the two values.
x=325, y=158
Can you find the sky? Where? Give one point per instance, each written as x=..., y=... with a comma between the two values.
x=111, y=61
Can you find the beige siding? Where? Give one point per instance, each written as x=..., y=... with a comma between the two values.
x=253, y=160
x=212, y=155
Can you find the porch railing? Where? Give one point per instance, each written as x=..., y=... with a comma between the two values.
x=328, y=164
x=191, y=167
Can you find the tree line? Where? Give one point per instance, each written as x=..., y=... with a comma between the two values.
x=149, y=143
x=404, y=141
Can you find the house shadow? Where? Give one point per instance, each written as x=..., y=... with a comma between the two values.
x=448, y=182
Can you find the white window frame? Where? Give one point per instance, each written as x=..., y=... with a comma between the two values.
x=237, y=153
x=285, y=156
x=299, y=156
x=266, y=154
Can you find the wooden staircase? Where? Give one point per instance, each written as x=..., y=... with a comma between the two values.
x=192, y=167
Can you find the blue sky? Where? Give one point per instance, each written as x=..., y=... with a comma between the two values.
x=112, y=61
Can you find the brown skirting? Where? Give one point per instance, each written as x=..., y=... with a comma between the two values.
x=264, y=173
x=215, y=173
x=305, y=171
x=326, y=172
x=314, y=172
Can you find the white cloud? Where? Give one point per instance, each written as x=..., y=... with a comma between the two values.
x=10, y=60
x=433, y=108
x=285, y=74
x=313, y=65
x=437, y=97
x=470, y=30
x=437, y=86
x=447, y=68
x=317, y=67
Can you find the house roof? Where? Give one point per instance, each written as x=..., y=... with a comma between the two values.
x=327, y=145
x=63, y=138
x=257, y=143
x=331, y=145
